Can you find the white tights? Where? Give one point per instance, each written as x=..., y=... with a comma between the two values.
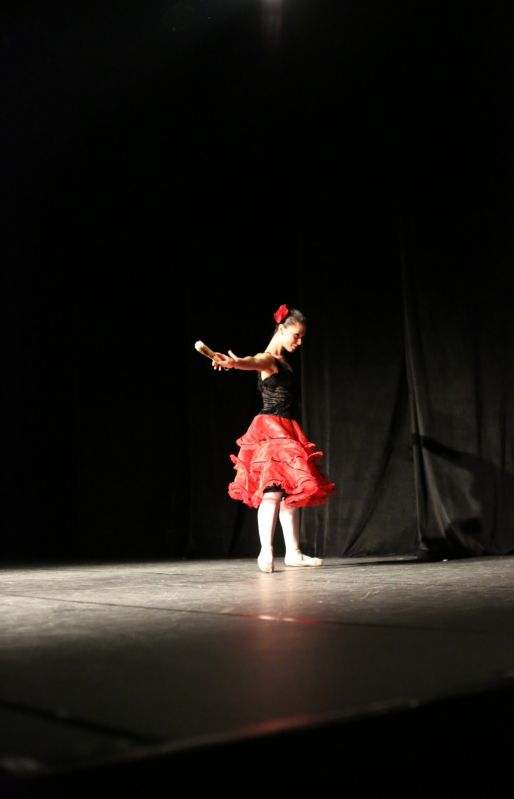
x=267, y=516
x=271, y=509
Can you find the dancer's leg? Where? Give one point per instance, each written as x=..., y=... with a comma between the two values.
x=290, y=523
x=267, y=516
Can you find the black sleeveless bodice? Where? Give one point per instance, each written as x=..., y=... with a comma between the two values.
x=278, y=392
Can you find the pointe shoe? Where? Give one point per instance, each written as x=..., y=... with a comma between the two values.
x=299, y=559
x=265, y=562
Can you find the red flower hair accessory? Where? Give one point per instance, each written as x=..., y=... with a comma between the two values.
x=281, y=314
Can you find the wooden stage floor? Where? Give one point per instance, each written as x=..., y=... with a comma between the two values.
x=111, y=668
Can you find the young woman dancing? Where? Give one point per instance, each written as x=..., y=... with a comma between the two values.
x=276, y=466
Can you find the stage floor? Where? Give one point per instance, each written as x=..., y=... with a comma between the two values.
x=103, y=664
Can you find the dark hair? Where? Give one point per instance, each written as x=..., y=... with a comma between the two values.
x=294, y=317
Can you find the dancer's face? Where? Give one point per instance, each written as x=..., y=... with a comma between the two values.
x=292, y=336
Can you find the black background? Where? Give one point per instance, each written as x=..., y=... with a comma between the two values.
x=175, y=171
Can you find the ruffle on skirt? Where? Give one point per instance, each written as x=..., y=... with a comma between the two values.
x=276, y=452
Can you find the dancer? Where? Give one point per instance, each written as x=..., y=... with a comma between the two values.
x=276, y=467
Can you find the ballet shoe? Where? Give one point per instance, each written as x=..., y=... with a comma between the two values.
x=299, y=559
x=265, y=562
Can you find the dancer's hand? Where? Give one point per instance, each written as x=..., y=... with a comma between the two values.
x=222, y=361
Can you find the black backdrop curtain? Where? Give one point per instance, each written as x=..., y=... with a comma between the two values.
x=459, y=339
x=172, y=177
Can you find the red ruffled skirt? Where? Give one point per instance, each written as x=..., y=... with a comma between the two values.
x=276, y=452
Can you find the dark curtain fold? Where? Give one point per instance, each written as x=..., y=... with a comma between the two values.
x=459, y=343
x=356, y=410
